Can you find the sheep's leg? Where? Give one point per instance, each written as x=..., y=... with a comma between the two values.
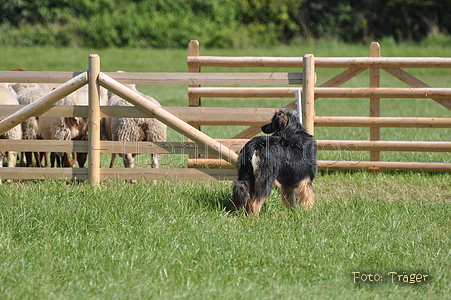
x=28, y=159
x=46, y=159
x=61, y=161
x=129, y=161
x=1, y=164
x=113, y=158
x=67, y=161
x=81, y=159
x=155, y=160
x=37, y=158
x=12, y=159
x=54, y=158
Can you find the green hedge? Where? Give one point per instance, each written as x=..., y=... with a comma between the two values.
x=216, y=23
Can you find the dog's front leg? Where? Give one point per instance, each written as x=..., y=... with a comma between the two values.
x=255, y=207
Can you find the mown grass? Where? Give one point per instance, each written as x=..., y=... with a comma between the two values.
x=178, y=240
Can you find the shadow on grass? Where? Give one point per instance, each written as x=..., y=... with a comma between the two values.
x=220, y=199
x=216, y=199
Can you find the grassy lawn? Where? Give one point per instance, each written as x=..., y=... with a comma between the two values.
x=180, y=240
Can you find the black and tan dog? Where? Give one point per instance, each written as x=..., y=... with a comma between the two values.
x=288, y=156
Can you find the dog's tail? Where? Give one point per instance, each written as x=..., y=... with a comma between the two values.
x=241, y=193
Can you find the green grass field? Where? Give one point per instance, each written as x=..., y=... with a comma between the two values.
x=179, y=240
x=183, y=240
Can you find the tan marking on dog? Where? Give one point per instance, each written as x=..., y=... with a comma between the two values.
x=304, y=191
x=256, y=207
x=255, y=162
x=283, y=121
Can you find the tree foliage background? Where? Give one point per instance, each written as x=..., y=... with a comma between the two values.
x=216, y=23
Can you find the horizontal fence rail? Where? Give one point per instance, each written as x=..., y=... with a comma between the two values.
x=161, y=78
x=330, y=165
x=358, y=145
x=105, y=146
x=207, y=78
x=232, y=116
x=383, y=122
x=193, y=148
x=37, y=76
x=326, y=92
x=320, y=62
x=21, y=173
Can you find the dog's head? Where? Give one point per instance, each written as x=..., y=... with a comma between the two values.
x=280, y=121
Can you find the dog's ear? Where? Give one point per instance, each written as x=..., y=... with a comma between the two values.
x=282, y=120
x=278, y=123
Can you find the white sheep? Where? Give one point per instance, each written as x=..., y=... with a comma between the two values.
x=69, y=128
x=9, y=97
x=28, y=93
x=133, y=129
x=20, y=87
x=30, y=128
x=66, y=128
x=59, y=128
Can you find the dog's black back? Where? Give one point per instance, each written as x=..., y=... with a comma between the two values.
x=289, y=156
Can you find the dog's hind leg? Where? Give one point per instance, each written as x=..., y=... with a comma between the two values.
x=304, y=193
x=263, y=187
x=241, y=193
x=288, y=197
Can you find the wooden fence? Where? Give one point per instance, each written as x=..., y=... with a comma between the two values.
x=171, y=116
x=197, y=116
x=330, y=89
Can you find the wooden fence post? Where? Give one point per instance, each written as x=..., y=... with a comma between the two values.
x=308, y=93
x=94, y=120
x=375, y=132
x=193, y=50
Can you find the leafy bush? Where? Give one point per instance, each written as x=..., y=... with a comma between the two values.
x=216, y=23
